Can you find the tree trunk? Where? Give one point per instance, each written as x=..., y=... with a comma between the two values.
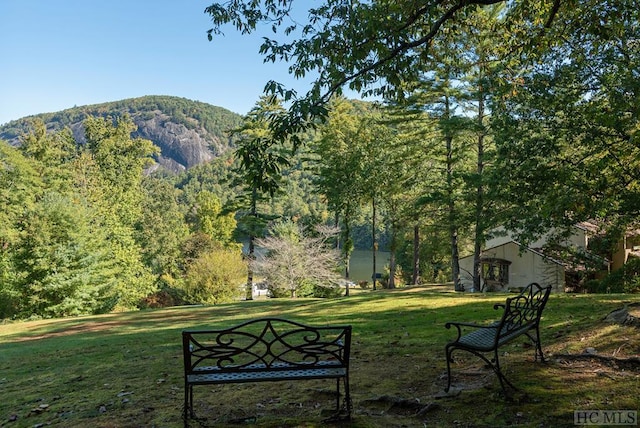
x=347, y=246
x=252, y=237
x=453, y=228
x=375, y=243
x=249, y=290
x=479, y=208
x=415, y=278
x=392, y=259
x=337, y=225
x=455, y=260
x=346, y=274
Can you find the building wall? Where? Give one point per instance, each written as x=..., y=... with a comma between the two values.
x=579, y=239
x=628, y=246
x=620, y=256
x=525, y=268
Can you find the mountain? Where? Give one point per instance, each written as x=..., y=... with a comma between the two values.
x=188, y=132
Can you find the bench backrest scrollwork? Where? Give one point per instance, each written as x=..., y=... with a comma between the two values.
x=267, y=343
x=523, y=311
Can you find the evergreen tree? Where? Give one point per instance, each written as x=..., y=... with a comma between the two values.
x=64, y=268
x=340, y=165
x=261, y=159
x=20, y=187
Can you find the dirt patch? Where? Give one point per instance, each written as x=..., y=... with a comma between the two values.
x=86, y=327
x=398, y=406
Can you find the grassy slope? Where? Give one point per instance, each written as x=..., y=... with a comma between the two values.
x=122, y=370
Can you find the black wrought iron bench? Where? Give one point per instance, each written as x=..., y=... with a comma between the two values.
x=521, y=316
x=267, y=349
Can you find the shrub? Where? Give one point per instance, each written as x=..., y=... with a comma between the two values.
x=328, y=292
x=170, y=293
x=215, y=277
x=278, y=292
x=593, y=286
x=623, y=280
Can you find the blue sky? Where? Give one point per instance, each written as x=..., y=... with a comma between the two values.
x=57, y=54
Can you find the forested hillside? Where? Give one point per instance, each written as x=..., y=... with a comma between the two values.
x=187, y=132
x=87, y=226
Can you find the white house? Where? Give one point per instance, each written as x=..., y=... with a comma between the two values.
x=507, y=264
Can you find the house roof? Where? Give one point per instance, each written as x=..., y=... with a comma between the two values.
x=595, y=227
x=590, y=226
x=531, y=250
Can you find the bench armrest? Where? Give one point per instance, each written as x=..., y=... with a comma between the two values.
x=459, y=325
x=499, y=306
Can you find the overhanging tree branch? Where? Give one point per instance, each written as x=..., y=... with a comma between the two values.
x=374, y=47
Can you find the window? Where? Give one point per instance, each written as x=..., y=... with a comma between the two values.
x=495, y=270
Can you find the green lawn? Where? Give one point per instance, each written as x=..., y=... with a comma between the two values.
x=125, y=369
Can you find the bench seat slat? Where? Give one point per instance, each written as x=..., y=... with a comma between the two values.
x=262, y=367
x=268, y=375
x=483, y=339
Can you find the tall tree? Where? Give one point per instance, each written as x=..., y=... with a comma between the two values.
x=20, y=187
x=64, y=267
x=59, y=257
x=440, y=96
x=162, y=229
x=261, y=159
x=219, y=225
x=121, y=160
x=341, y=166
x=387, y=180
x=483, y=56
x=53, y=151
x=454, y=93
x=116, y=162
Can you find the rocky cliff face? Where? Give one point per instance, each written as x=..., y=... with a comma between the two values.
x=186, y=147
x=183, y=139
x=180, y=147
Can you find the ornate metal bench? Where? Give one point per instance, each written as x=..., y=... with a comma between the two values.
x=521, y=316
x=268, y=349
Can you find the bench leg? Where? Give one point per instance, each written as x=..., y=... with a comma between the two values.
x=343, y=411
x=495, y=366
x=346, y=403
x=502, y=378
x=538, y=346
x=347, y=398
x=188, y=404
x=448, y=352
